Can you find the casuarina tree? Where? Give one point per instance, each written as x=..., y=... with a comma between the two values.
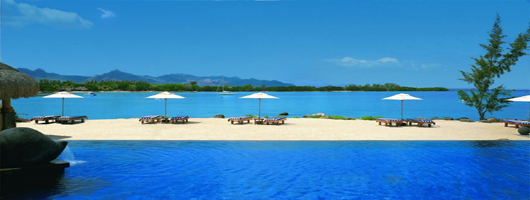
x=485, y=97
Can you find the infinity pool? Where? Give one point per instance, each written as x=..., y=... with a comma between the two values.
x=290, y=170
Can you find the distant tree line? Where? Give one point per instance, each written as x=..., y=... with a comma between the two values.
x=126, y=85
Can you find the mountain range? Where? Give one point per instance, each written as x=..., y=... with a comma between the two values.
x=169, y=78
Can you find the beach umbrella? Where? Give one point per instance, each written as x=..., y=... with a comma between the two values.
x=63, y=95
x=522, y=99
x=165, y=95
x=259, y=95
x=402, y=96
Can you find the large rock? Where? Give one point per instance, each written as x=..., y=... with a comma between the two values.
x=467, y=120
x=306, y=116
x=524, y=130
x=318, y=114
x=493, y=119
x=434, y=118
x=284, y=113
x=219, y=116
x=22, y=147
x=461, y=118
x=447, y=118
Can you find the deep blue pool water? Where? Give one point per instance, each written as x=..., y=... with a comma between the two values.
x=292, y=170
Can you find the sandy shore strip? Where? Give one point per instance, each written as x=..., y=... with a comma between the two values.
x=293, y=129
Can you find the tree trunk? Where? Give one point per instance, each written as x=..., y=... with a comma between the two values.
x=481, y=114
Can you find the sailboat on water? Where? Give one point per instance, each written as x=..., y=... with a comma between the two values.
x=223, y=92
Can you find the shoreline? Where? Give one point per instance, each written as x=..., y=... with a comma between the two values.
x=219, y=129
x=40, y=92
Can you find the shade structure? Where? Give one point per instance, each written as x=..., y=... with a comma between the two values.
x=15, y=84
x=522, y=99
x=259, y=95
x=402, y=96
x=165, y=95
x=63, y=95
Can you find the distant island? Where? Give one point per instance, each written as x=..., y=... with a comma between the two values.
x=122, y=81
x=118, y=75
x=127, y=85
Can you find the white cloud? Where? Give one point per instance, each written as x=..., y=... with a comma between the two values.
x=349, y=61
x=22, y=14
x=106, y=13
x=429, y=65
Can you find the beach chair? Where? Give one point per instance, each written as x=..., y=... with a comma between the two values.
x=46, y=118
x=419, y=121
x=66, y=119
x=240, y=119
x=150, y=118
x=389, y=121
x=175, y=119
x=517, y=123
x=274, y=120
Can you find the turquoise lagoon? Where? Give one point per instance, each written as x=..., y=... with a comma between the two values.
x=208, y=104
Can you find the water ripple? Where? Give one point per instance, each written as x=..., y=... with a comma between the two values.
x=296, y=170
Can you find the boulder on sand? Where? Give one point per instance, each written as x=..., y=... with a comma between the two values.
x=219, y=116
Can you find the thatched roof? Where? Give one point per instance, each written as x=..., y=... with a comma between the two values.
x=15, y=84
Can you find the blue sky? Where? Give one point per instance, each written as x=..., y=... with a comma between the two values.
x=411, y=43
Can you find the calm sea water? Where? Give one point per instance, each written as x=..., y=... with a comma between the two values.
x=289, y=170
x=207, y=104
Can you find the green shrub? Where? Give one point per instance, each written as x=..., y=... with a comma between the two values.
x=314, y=116
x=337, y=117
x=250, y=115
x=370, y=117
x=266, y=116
x=296, y=117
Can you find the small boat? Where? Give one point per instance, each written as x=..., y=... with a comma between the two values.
x=224, y=92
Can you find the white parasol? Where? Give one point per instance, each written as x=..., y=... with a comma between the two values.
x=63, y=95
x=402, y=96
x=165, y=95
x=522, y=99
x=259, y=95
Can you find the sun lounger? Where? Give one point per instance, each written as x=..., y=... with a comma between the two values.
x=274, y=120
x=184, y=119
x=239, y=119
x=389, y=121
x=46, y=118
x=150, y=118
x=66, y=119
x=517, y=123
x=419, y=121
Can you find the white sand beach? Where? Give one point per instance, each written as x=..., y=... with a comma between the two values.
x=293, y=129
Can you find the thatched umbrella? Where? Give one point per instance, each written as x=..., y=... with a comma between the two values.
x=13, y=85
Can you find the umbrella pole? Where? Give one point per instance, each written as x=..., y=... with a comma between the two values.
x=401, y=109
x=63, y=108
x=259, y=111
x=165, y=110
